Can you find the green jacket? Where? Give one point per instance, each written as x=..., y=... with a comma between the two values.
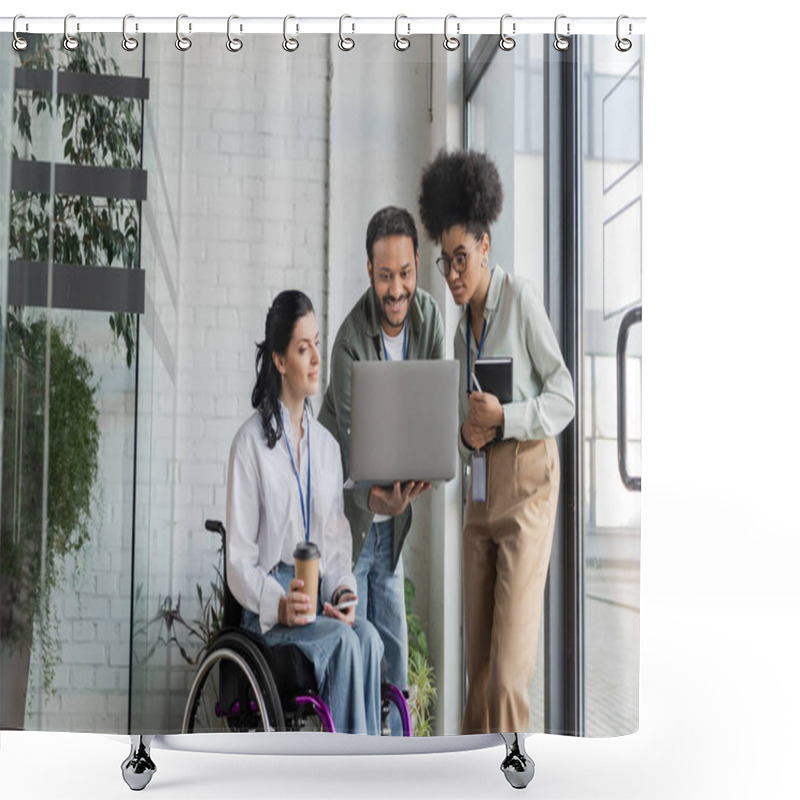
x=359, y=339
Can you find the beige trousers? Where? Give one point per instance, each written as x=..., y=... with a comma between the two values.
x=506, y=553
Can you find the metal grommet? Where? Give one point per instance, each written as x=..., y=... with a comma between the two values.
x=128, y=42
x=346, y=43
x=506, y=42
x=183, y=43
x=561, y=43
x=70, y=42
x=18, y=43
x=623, y=45
x=400, y=42
x=451, y=42
x=289, y=44
x=233, y=44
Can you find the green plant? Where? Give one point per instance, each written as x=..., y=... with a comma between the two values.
x=95, y=131
x=170, y=622
x=47, y=493
x=421, y=677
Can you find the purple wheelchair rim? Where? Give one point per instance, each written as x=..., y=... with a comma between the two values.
x=320, y=708
x=392, y=693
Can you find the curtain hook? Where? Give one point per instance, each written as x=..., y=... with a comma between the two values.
x=183, y=43
x=70, y=42
x=346, y=43
x=18, y=43
x=561, y=43
x=401, y=42
x=129, y=43
x=451, y=42
x=507, y=42
x=233, y=44
x=623, y=45
x=289, y=43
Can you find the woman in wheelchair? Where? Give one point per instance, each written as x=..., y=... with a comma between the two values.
x=284, y=487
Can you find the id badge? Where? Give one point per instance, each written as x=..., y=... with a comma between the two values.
x=479, y=477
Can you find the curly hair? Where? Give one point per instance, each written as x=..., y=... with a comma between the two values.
x=460, y=188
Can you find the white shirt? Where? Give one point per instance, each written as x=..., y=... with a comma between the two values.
x=265, y=520
x=394, y=348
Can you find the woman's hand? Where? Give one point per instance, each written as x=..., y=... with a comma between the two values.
x=485, y=410
x=347, y=615
x=293, y=607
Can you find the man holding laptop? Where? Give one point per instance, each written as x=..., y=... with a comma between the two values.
x=392, y=321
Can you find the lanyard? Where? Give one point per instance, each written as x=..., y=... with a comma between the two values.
x=405, y=343
x=306, y=509
x=469, y=341
x=469, y=348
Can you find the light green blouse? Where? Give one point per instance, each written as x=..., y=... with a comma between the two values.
x=517, y=326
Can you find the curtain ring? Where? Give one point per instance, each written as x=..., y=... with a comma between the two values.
x=289, y=43
x=346, y=43
x=507, y=42
x=18, y=43
x=183, y=43
x=70, y=42
x=623, y=45
x=129, y=43
x=400, y=42
x=451, y=42
x=561, y=43
x=233, y=44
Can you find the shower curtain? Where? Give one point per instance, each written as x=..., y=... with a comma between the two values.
x=153, y=202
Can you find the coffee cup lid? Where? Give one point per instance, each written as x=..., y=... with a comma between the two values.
x=306, y=551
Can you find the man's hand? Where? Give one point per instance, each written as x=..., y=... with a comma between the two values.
x=395, y=500
x=293, y=606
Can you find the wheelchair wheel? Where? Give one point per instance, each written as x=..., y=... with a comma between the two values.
x=395, y=714
x=233, y=690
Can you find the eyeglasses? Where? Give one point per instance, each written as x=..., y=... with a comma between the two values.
x=457, y=263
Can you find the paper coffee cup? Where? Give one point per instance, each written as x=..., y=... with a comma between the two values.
x=306, y=568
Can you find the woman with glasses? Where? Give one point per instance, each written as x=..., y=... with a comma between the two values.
x=514, y=478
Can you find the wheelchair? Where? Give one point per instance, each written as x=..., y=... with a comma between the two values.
x=243, y=685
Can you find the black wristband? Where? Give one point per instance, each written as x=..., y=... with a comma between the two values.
x=337, y=595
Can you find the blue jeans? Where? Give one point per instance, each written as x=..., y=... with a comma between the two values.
x=347, y=662
x=382, y=601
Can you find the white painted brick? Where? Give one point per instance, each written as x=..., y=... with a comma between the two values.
x=88, y=654
x=200, y=472
x=226, y=406
x=84, y=632
x=118, y=655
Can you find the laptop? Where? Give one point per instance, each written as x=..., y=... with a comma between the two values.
x=403, y=422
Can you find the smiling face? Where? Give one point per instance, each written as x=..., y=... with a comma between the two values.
x=474, y=280
x=299, y=365
x=393, y=275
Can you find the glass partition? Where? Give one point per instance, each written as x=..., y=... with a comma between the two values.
x=611, y=191
x=69, y=395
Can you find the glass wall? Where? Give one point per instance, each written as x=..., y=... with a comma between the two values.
x=70, y=355
x=611, y=206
